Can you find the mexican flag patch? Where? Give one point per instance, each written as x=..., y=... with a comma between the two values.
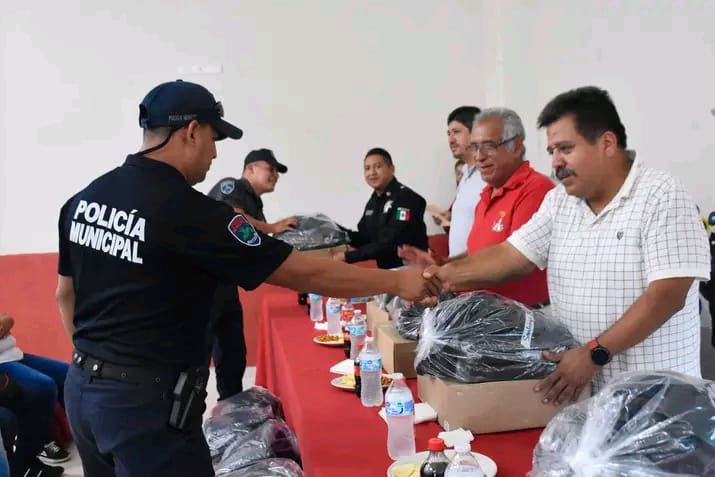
x=402, y=214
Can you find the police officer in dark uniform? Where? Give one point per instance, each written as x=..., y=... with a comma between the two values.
x=393, y=216
x=142, y=254
x=261, y=171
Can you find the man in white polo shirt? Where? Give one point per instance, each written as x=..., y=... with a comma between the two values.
x=623, y=245
x=459, y=127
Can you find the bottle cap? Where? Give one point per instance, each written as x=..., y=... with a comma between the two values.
x=435, y=444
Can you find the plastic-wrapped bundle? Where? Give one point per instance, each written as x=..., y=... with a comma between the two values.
x=233, y=418
x=255, y=400
x=655, y=424
x=481, y=337
x=383, y=300
x=272, y=439
x=314, y=232
x=269, y=468
x=407, y=315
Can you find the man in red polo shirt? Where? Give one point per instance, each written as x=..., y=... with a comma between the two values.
x=513, y=193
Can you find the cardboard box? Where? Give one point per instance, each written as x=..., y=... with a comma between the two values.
x=398, y=354
x=376, y=316
x=487, y=407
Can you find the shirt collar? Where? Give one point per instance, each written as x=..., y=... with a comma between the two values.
x=144, y=162
x=626, y=188
x=392, y=187
x=249, y=189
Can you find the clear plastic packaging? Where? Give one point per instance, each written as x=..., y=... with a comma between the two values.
x=314, y=232
x=233, y=418
x=273, y=438
x=655, y=424
x=269, y=468
x=482, y=337
x=406, y=316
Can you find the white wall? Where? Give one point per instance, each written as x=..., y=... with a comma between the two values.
x=320, y=83
x=655, y=57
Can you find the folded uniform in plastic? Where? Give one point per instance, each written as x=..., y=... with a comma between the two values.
x=656, y=424
x=407, y=315
x=233, y=418
x=269, y=468
x=314, y=232
x=482, y=337
x=273, y=438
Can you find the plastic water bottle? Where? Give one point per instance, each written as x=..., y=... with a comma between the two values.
x=316, y=307
x=400, y=413
x=332, y=312
x=463, y=464
x=358, y=331
x=371, y=375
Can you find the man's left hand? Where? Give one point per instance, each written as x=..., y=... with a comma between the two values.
x=573, y=373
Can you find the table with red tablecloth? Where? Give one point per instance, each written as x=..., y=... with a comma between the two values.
x=336, y=434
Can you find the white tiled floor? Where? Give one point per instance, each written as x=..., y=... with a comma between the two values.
x=73, y=468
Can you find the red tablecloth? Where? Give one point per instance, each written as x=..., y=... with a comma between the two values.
x=337, y=435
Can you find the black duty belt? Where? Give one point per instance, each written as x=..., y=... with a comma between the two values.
x=132, y=374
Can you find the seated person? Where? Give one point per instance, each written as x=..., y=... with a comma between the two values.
x=41, y=385
x=393, y=216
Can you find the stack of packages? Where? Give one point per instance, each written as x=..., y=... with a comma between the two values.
x=247, y=437
x=314, y=232
x=481, y=337
x=656, y=424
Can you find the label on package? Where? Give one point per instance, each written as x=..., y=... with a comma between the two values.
x=528, y=329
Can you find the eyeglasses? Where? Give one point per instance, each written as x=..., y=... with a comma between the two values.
x=489, y=148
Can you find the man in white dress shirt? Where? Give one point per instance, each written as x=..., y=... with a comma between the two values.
x=623, y=245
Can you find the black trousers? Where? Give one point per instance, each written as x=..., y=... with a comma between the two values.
x=229, y=346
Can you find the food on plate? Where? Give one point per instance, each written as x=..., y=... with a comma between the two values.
x=407, y=470
x=348, y=380
x=329, y=339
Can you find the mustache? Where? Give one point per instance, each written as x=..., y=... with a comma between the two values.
x=564, y=172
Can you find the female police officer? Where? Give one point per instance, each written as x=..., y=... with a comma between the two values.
x=141, y=253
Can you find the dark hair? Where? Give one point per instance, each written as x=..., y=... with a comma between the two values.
x=378, y=151
x=592, y=109
x=464, y=115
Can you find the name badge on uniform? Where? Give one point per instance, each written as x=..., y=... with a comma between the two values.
x=227, y=186
x=498, y=224
x=388, y=206
x=402, y=214
x=369, y=212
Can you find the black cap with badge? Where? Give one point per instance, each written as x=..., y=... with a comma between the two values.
x=175, y=104
x=267, y=156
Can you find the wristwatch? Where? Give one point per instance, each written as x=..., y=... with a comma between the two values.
x=599, y=354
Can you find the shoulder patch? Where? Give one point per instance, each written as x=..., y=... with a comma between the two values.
x=243, y=231
x=227, y=186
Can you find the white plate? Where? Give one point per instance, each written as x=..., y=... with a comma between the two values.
x=489, y=467
x=336, y=382
x=328, y=343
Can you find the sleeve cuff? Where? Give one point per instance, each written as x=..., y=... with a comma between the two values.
x=352, y=256
x=702, y=274
x=524, y=249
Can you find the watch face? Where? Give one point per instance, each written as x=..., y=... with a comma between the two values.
x=600, y=355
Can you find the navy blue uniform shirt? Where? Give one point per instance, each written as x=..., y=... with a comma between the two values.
x=146, y=252
x=392, y=219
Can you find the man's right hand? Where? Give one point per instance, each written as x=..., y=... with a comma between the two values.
x=288, y=223
x=414, y=257
x=413, y=286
